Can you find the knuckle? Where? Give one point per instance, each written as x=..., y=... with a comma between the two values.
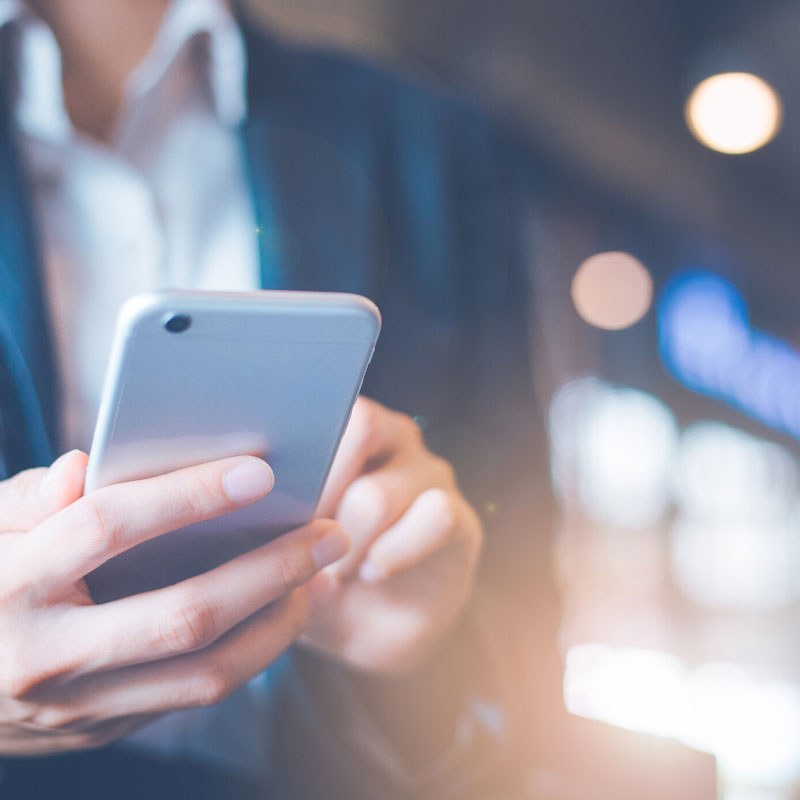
x=24, y=669
x=212, y=686
x=369, y=496
x=17, y=681
x=23, y=482
x=291, y=572
x=96, y=523
x=442, y=509
x=189, y=625
x=197, y=495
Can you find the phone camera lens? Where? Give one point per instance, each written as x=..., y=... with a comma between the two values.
x=177, y=323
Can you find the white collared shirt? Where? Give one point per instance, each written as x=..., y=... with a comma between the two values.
x=165, y=204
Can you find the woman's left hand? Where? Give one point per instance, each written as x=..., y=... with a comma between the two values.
x=415, y=545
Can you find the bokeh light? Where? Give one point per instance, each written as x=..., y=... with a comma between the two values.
x=751, y=726
x=642, y=690
x=734, y=112
x=612, y=451
x=703, y=331
x=612, y=290
x=743, y=566
x=706, y=341
x=734, y=541
x=723, y=473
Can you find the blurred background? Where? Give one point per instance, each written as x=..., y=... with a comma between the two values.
x=658, y=146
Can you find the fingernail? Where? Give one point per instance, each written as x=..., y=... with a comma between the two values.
x=331, y=547
x=369, y=572
x=53, y=472
x=248, y=481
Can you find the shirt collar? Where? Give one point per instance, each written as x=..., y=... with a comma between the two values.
x=36, y=71
x=9, y=10
x=226, y=63
x=40, y=109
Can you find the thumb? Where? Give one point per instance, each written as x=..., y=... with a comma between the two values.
x=32, y=496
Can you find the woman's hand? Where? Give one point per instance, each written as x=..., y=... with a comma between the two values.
x=74, y=674
x=415, y=540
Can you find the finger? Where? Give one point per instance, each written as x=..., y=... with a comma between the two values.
x=30, y=497
x=203, y=678
x=66, y=732
x=373, y=432
x=193, y=614
x=106, y=522
x=436, y=520
x=377, y=500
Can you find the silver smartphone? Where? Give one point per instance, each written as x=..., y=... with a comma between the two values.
x=197, y=376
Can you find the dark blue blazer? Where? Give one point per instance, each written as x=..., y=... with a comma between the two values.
x=362, y=182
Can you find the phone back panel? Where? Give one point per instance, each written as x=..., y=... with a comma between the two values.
x=273, y=374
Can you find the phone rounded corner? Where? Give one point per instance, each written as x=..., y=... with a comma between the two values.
x=371, y=311
x=139, y=307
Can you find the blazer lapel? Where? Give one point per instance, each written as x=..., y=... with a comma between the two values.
x=312, y=173
x=25, y=344
x=311, y=165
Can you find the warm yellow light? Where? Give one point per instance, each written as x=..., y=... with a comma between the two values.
x=734, y=112
x=612, y=290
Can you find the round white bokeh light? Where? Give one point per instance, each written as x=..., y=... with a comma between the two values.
x=612, y=290
x=734, y=112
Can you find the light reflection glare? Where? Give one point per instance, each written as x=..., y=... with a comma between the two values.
x=752, y=727
x=612, y=290
x=734, y=112
x=612, y=451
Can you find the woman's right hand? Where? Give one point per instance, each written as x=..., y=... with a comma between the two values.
x=74, y=674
